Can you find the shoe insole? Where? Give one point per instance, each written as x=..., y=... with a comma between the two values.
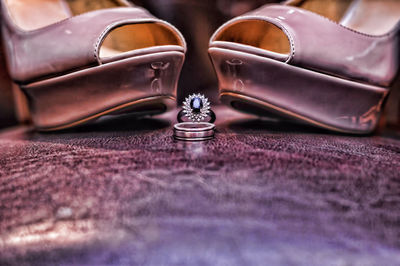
x=258, y=34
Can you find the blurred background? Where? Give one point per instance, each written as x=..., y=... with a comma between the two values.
x=7, y=109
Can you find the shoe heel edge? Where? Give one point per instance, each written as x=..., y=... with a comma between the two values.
x=391, y=113
x=21, y=105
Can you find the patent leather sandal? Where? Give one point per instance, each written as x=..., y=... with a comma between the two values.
x=76, y=60
x=332, y=70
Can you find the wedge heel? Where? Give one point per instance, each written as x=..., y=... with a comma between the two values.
x=259, y=85
x=143, y=84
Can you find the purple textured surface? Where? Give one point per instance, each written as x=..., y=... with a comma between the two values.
x=123, y=192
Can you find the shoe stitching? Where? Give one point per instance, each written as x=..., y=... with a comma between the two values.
x=112, y=26
x=271, y=20
x=131, y=21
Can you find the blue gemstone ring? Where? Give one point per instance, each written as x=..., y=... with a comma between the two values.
x=196, y=108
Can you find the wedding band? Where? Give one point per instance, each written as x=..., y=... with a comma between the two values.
x=194, y=131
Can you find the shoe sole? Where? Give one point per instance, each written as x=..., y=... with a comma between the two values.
x=143, y=84
x=260, y=85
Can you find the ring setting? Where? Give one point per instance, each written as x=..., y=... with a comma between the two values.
x=196, y=107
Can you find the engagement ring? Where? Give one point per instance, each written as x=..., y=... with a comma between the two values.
x=199, y=120
x=196, y=108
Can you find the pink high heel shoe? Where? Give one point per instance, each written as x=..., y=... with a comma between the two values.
x=289, y=60
x=78, y=60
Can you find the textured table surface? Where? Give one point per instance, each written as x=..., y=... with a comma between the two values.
x=123, y=192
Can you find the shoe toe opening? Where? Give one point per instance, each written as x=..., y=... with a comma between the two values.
x=259, y=34
x=127, y=38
